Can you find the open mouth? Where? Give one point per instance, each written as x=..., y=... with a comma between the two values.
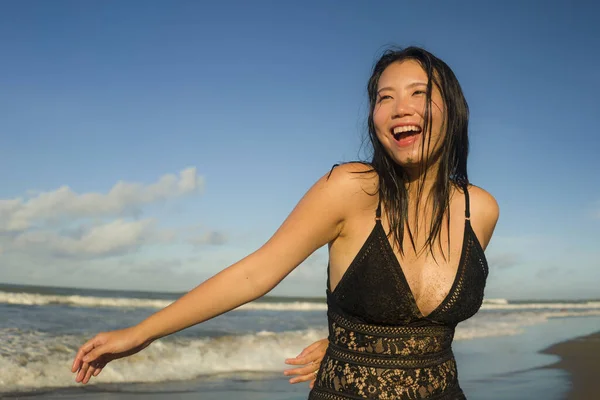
x=406, y=134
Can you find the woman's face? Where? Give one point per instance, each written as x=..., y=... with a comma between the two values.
x=399, y=114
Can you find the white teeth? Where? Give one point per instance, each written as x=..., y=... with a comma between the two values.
x=407, y=128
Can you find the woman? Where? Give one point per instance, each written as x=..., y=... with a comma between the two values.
x=406, y=234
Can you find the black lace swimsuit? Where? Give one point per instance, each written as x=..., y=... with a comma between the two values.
x=380, y=344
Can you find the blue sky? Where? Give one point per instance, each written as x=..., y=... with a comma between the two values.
x=148, y=145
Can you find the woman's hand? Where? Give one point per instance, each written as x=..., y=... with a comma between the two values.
x=103, y=348
x=310, y=358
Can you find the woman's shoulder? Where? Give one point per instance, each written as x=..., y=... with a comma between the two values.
x=483, y=201
x=356, y=182
x=354, y=174
x=484, y=211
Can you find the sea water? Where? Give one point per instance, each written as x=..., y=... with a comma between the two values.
x=41, y=329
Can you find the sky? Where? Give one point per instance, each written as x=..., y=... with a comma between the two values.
x=149, y=145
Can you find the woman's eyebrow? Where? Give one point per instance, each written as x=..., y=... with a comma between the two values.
x=410, y=85
x=416, y=84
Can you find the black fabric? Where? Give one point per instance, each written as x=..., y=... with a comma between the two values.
x=380, y=344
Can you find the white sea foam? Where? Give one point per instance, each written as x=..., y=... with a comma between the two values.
x=31, y=299
x=124, y=302
x=495, y=301
x=33, y=359
x=541, y=306
x=292, y=306
x=512, y=323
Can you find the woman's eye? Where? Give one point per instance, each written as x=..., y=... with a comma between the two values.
x=381, y=98
x=419, y=92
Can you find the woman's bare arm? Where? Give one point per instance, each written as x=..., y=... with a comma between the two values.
x=315, y=221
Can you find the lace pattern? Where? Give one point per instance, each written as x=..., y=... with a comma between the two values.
x=354, y=379
x=402, y=341
x=385, y=362
x=325, y=395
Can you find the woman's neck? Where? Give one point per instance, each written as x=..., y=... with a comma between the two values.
x=421, y=181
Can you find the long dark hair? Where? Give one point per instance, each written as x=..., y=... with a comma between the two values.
x=452, y=155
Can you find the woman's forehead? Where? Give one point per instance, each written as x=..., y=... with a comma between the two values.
x=403, y=72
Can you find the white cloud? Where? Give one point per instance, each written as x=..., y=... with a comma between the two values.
x=113, y=238
x=63, y=203
x=99, y=239
x=62, y=224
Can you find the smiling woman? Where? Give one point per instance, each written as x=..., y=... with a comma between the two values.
x=406, y=235
x=400, y=94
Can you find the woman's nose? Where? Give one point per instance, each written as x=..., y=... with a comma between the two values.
x=403, y=108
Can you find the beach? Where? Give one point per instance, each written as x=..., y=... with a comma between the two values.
x=521, y=366
x=509, y=350
x=580, y=357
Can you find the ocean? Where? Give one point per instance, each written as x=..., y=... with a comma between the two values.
x=243, y=351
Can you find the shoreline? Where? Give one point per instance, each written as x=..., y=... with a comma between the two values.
x=579, y=357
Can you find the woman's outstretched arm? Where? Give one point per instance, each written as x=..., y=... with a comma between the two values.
x=315, y=221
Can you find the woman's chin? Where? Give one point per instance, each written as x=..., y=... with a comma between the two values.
x=408, y=159
x=413, y=159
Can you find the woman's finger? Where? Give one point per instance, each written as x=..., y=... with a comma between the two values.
x=96, y=353
x=99, y=368
x=297, y=361
x=83, y=350
x=306, y=354
x=88, y=374
x=307, y=369
x=82, y=371
x=312, y=356
x=304, y=378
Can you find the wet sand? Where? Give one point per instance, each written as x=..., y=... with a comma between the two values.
x=580, y=357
